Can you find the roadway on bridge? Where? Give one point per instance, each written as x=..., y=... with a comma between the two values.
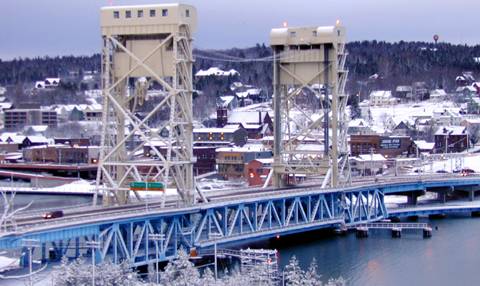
x=85, y=215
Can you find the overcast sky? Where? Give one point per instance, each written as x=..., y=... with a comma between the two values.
x=64, y=27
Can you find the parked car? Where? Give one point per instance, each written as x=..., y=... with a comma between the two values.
x=53, y=214
x=442, y=172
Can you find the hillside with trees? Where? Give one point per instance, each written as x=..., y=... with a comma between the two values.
x=390, y=64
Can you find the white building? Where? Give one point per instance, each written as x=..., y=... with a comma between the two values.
x=382, y=98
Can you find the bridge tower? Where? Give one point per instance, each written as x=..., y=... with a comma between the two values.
x=144, y=46
x=309, y=81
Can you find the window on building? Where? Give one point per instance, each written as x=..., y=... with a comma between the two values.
x=187, y=13
x=293, y=34
x=116, y=14
x=153, y=13
x=314, y=33
x=164, y=12
x=128, y=14
x=140, y=13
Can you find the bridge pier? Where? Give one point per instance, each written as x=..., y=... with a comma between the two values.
x=362, y=232
x=396, y=232
x=412, y=199
x=427, y=232
x=476, y=214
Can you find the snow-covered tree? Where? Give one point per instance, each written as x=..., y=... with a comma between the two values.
x=181, y=272
x=311, y=275
x=293, y=273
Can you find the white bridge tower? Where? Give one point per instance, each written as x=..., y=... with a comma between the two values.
x=144, y=46
x=309, y=62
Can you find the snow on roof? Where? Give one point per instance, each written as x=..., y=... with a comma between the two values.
x=39, y=128
x=227, y=99
x=358, y=123
x=438, y=92
x=37, y=139
x=424, y=145
x=381, y=93
x=248, y=92
x=247, y=117
x=244, y=149
x=265, y=161
x=216, y=72
x=404, y=88
x=226, y=129
x=5, y=105
x=451, y=130
x=370, y=157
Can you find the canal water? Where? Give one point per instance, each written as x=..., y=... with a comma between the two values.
x=450, y=257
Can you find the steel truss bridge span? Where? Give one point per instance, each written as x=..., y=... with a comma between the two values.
x=126, y=233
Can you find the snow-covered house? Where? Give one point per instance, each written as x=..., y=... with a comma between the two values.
x=382, y=98
x=257, y=123
x=451, y=139
x=359, y=127
x=49, y=82
x=368, y=164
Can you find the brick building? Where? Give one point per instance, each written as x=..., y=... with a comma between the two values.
x=451, y=139
x=388, y=146
x=231, y=161
x=17, y=119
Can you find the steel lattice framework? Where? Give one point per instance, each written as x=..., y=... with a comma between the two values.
x=309, y=60
x=146, y=50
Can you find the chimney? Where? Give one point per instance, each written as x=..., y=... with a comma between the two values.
x=222, y=116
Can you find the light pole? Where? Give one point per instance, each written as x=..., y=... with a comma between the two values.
x=215, y=237
x=156, y=237
x=94, y=245
x=30, y=244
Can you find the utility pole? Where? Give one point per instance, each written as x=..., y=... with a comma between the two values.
x=94, y=245
x=156, y=237
x=30, y=244
x=215, y=237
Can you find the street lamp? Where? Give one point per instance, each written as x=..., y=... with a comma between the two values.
x=156, y=237
x=30, y=244
x=94, y=245
x=215, y=237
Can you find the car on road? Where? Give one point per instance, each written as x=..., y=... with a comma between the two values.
x=53, y=214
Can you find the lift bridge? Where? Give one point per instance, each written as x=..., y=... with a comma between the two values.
x=151, y=45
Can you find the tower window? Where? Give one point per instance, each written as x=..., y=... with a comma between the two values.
x=187, y=13
x=140, y=13
x=164, y=12
x=293, y=34
x=153, y=13
x=116, y=14
x=128, y=14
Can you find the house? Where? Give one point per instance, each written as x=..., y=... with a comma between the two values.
x=403, y=92
x=234, y=134
x=232, y=161
x=48, y=83
x=257, y=171
x=451, y=139
x=368, y=165
x=382, y=98
x=257, y=123
x=423, y=147
x=438, y=94
x=359, y=127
